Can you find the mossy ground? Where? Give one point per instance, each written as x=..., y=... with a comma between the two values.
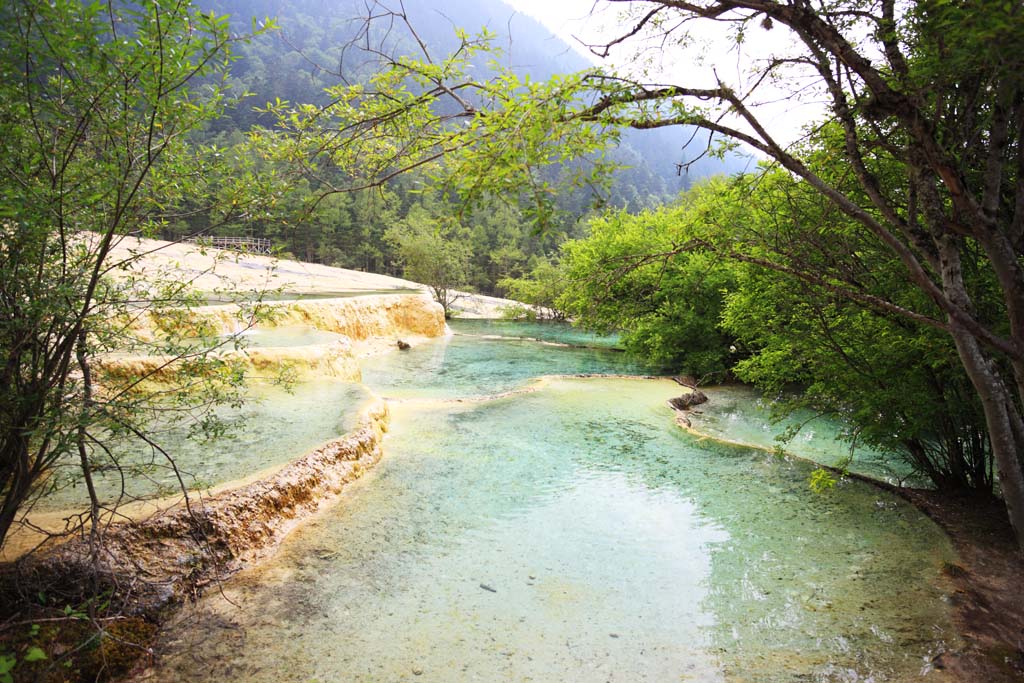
x=46, y=645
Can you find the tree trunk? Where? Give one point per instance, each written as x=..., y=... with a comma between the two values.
x=17, y=483
x=1003, y=421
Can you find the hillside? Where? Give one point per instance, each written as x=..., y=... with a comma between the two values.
x=298, y=61
x=355, y=230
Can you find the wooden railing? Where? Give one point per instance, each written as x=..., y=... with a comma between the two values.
x=249, y=245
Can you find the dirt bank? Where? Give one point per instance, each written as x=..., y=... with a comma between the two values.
x=989, y=586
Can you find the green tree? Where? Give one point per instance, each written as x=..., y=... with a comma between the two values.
x=896, y=382
x=642, y=275
x=96, y=108
x=431, y=257
x=541, y=289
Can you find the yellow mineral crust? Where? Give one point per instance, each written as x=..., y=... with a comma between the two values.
x=369, y=321
x=368, y=324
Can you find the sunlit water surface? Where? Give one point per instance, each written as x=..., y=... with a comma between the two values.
x=575, y=534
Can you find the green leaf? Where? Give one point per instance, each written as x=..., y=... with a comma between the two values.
x=34, y=654
x=821, y=480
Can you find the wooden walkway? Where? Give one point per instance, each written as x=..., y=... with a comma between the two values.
x=249, y=245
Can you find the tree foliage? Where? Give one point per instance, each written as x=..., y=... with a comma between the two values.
x=642, y=274
x=928, y=101
x=541, y=289
x=687, y=285
x=96, y=110
x=334, y=45
x=432, y=257
x=897, y=382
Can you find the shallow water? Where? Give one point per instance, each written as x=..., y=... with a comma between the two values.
x=575, y=534
x=559, y=333
x=466, y=366
x=273, y=427
x=739, y=414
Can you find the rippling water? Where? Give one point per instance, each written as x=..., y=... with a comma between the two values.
x=575, y=534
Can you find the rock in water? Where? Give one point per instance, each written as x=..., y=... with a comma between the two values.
x=687, y=401
x=404, y=346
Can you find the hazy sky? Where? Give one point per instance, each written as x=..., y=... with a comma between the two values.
x=695, y=66
x=564, y=18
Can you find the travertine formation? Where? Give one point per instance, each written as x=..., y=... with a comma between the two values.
x=173, y=554
x=370, y=324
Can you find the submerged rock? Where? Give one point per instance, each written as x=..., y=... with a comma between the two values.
x=687, y=401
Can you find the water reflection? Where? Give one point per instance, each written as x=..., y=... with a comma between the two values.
x=558, y=333
x=740, y=414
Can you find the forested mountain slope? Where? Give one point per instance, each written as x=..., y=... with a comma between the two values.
x=313, y=49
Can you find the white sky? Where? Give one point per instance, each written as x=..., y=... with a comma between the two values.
x=694, y=66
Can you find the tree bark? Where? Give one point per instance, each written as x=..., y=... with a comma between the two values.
x=1002, y=419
